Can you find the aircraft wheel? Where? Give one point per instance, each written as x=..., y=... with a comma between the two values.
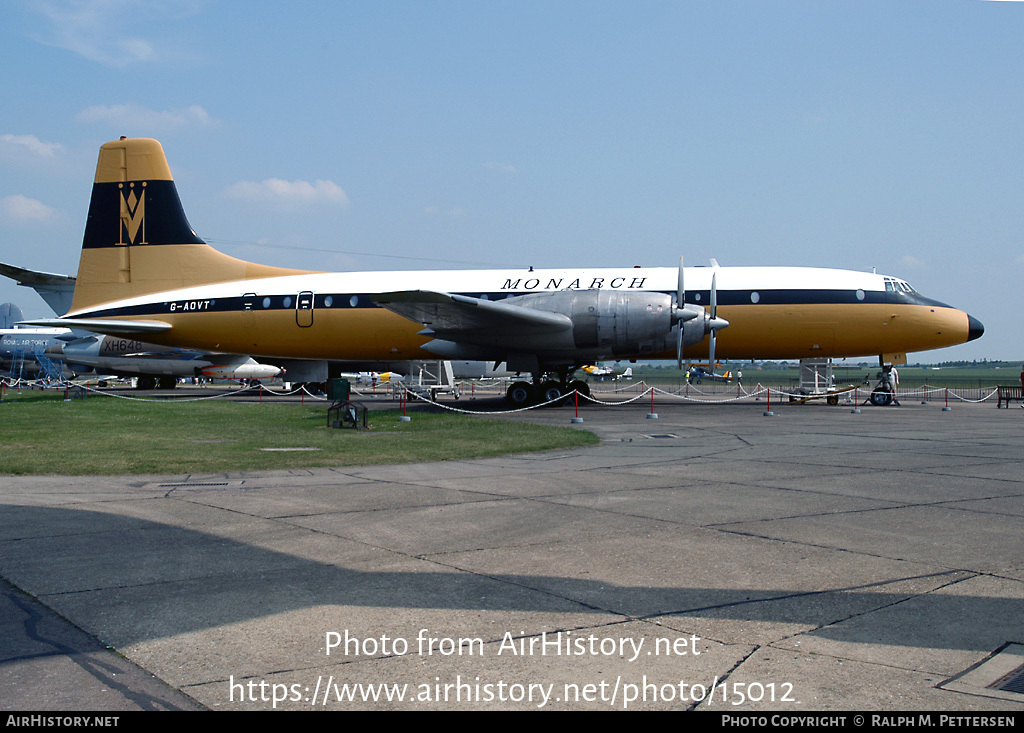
x=519, y=394
x=168, y=382
x=580, y=386
x=145, y=382
x=881, y=397
x=550, y=391
x=832, y=400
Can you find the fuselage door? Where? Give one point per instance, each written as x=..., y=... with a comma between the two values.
x=248, y=316
x=304, y=309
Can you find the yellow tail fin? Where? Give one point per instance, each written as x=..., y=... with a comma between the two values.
x=137, y=239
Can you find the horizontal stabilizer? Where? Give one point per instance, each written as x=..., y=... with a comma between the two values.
x=103, y=325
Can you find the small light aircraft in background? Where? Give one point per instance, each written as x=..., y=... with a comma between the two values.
x=372, y=378
x=602, y=373
x=698, y=373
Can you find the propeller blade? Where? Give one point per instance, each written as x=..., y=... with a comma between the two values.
x=680, y=302
x=711, y=353
x=714, y=296
x=680, y=290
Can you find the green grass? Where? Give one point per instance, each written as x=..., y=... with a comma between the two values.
x=43, y=434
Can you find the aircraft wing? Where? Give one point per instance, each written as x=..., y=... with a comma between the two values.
x=466, y=319
x=28, y=277
x=57, y=290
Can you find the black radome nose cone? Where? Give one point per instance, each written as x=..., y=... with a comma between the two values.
x=974, y=328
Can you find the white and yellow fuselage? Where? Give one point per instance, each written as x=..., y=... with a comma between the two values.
x=774, y=313
x=144, y=271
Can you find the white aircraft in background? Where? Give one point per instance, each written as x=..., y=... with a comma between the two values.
x=157, y=366
x=144, y=273
x=59, y=353
x=23, y=350
x=67, y=352
x=601, y=373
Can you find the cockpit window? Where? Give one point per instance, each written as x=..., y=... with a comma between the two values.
x=892, y=285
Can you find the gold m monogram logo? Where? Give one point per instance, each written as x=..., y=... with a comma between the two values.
x=133, y=214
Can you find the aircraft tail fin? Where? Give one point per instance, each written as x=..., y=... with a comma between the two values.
x=137, y=239
x=10, y=314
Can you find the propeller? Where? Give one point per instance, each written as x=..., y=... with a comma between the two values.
x=713, y=323
x=683, y=312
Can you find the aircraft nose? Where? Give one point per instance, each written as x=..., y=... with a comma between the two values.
x=974, y=328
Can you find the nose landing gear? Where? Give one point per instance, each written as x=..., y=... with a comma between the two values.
x=884, y=393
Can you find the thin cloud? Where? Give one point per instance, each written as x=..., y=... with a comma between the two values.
x=289, y=193
x=105, y=31
x=913, y=263
x=136, y=116
x=30, y=144
x=502, y=167
x=20, y=209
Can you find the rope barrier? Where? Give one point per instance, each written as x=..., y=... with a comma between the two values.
x=65, y=385
x=93, y=390
x=682, y=394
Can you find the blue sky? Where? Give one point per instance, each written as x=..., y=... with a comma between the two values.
x=412, y=135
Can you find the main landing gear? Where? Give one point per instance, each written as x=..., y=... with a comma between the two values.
x=545, y=390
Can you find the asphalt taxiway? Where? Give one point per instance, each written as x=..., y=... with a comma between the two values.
x=711, y=559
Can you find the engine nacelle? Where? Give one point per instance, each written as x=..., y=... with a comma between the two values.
x=612, y=322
